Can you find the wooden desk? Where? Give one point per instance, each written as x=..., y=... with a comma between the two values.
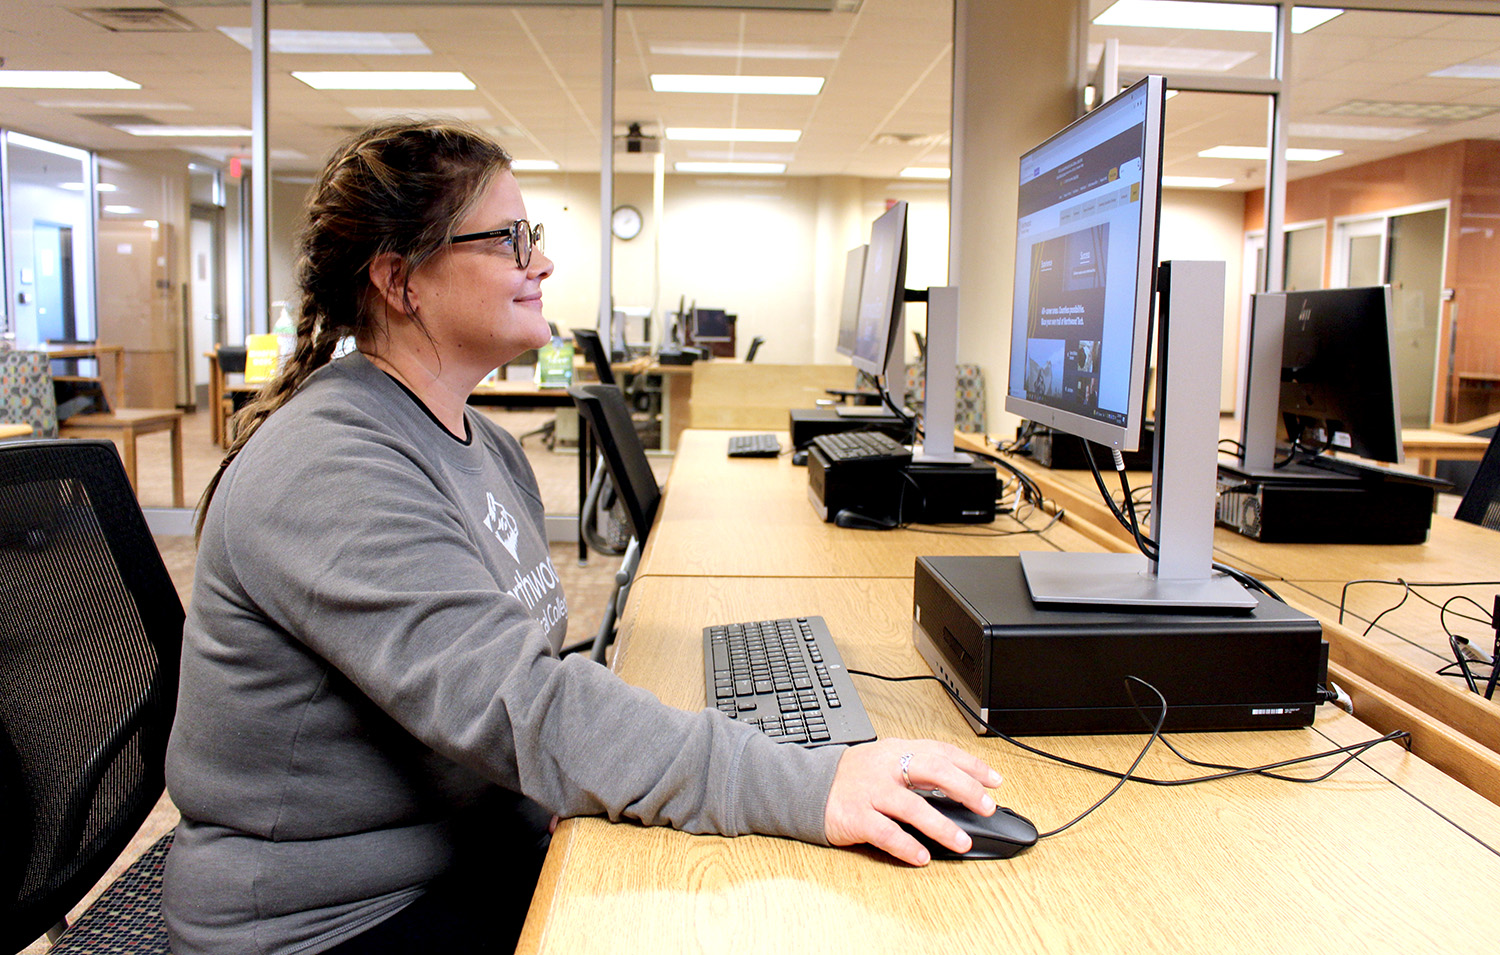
x=519, y=394
x=1429, y=446
x=751, y=517
x=116, y=395
x=126, y=424
x=1249, y=865
x=14, y=430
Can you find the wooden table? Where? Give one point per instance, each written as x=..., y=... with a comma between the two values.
x=115, y=396
x=14, y=430
x=1429, y=446
x=126, y=424
x=218, y=388
x=519, y=394
x=1249, y=865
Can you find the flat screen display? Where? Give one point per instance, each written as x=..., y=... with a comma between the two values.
x=854, y=270
x=1085, y=271
x=882, y=293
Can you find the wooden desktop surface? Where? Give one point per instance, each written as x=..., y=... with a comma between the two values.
x=751, y=517
x=1388, y=851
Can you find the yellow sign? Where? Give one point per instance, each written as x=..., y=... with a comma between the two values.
x=261, y=352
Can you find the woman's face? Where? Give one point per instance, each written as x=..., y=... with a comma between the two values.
x=478, y=307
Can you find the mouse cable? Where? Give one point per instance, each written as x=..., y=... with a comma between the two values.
x=1350, y=752
x=1411, y=588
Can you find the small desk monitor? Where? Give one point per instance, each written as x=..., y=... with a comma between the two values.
x=882, y=294
x=711, y=325
x=854, y=272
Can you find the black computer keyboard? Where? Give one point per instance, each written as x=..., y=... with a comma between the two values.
x=754, y=446
x=786, y=678
x=873, y=446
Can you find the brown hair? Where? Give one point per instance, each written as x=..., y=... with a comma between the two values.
x=400, y=187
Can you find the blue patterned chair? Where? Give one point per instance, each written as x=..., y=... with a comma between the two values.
x=968, y=397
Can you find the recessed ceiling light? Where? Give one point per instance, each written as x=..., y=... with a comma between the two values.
x=1432, y=112
x=352, y=42
x=1235, y=17
x=715, y=83
x=385, y=80
x=1174, y=58
x=98, y=187
x=533, y=165
x=747, y=51
x=1193, y=182
x=1351, y=131
x=64, y=80
x=185, y=131
x=1261, y=152
x=926, y=172
x=14, y=138
x=706, y=134
x=745, y=168
x=122, y=210
x=1485, y=69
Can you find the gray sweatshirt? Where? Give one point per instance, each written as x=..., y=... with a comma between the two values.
x=370, y=689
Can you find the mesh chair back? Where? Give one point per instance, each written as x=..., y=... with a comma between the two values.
x=593, y=350
x=26, y=395
x=603, y=409
x=90, y=639
x=1481, y=503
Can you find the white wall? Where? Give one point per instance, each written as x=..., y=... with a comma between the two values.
x=1207, y=224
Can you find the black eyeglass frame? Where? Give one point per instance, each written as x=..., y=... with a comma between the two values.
x=531, y=238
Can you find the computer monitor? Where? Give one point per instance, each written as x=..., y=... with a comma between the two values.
x=711, y=325
x=1085, y=272
x=854, y=272
x=1086, y=275
x=882, y=294
x=1338, y=378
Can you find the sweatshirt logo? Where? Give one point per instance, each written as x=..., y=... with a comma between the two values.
x=503, y=525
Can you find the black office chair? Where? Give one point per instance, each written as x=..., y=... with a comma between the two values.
x=603, y=410
x=755, y=344
x=90, y=639
x=592, y=347
x=1481, y=502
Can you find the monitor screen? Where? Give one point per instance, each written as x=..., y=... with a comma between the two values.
x=1085, y=271
x=882, y=293
x=1338, y=381
x=854, y=270
x=711, y=325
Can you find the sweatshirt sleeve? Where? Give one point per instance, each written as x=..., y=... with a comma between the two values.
x=386, y=585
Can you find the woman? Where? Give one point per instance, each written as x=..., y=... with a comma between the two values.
x=373, y=726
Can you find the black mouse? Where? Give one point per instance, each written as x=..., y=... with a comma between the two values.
x=799, y=458
x=864, y=522
x=995, y=837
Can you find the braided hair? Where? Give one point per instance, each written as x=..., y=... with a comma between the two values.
x=399, y=188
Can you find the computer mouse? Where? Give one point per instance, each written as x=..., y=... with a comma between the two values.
x=799, y=458
x=999, y=836
x=864, y=522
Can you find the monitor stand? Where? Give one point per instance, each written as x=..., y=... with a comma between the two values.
x=1184, y=470
x=939, y=406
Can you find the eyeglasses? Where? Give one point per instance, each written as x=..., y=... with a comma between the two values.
x=523, y=235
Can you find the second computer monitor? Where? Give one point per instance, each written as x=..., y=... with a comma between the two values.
x=882, y=293
x=854, y=271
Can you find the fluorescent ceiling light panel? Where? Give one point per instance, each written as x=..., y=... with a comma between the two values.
x=718, y=83
x=467, y=114
x=926, y=172
x=351, y=42
x=1434, y=112
x=707, y=134
x=1233, y=17
x=1388, y=134
x=1472, y=70
x=14, y=138
x=123, y=210
x=64, y=80
x=98, y=187
x=104, y=106
x=753, y=51
x=745, y=168
x=1193, y=182
x=207, y=132
x=384, y=80
x=1174, y=58
x=533, y=165
x=1261, y=152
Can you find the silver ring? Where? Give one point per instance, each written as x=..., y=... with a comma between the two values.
x=906, y=769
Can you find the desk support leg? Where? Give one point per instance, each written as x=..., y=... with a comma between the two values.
x=178, y=496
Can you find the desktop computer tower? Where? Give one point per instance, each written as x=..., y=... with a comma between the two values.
x=1303, y=505
x=1064, y=452
x=807, y=423
x=1032, y=671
